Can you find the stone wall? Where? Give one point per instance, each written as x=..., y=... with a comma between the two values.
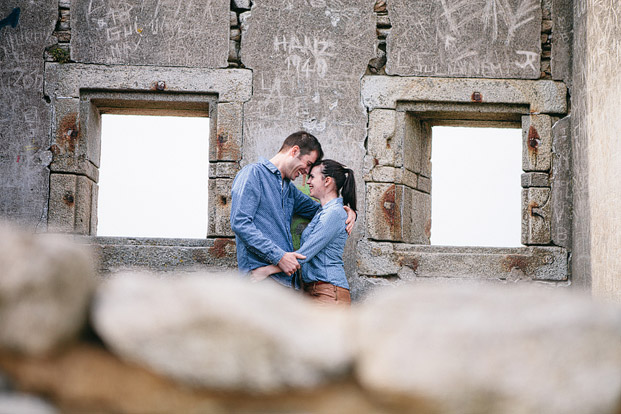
x=367, y=77
x=597, y=124
x=214, y=343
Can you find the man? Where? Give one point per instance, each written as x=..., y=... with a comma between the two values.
x=264, y=200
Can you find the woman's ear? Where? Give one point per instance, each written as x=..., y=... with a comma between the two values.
x=329, y=181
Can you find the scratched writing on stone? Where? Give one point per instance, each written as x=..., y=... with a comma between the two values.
x=306, y=55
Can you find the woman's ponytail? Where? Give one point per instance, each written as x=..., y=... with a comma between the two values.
x=349, y=189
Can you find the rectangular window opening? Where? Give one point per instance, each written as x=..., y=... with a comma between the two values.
x=153, y=176
x=476, y=192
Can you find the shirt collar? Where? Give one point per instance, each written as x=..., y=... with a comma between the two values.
x=337, y=200
x=269, y=165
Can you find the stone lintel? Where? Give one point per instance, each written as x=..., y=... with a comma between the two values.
x=66, y=80
x=543, y=96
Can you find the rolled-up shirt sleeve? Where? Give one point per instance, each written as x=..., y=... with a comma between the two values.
x=328, y=226
x=245, y=199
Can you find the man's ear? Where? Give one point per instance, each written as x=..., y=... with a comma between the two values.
x=294, y=151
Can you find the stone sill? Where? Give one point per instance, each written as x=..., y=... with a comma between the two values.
x=116, y=254
x=533, y=263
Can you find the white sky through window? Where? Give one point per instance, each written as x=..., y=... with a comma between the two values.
x=476, y=192
x=153, y=176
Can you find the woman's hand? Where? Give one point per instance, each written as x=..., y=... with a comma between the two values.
x=351, y=219
x=261, y=273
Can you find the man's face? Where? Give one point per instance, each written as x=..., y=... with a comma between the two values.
x=300, y=164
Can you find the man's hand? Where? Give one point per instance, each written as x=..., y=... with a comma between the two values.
x=289, y=262
x=351, y=219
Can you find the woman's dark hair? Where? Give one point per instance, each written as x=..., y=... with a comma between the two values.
x=344, y=179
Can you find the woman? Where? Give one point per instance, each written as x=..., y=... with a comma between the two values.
x=323, y=240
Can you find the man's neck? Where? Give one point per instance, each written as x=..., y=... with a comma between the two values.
x=279, y=162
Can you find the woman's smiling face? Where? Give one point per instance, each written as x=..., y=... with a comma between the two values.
x=316, y=181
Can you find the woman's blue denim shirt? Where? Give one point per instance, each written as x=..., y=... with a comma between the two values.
x=323, y=242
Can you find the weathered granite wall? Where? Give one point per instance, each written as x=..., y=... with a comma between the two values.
x=309, y=64
x=600, y=125
x=25, y=31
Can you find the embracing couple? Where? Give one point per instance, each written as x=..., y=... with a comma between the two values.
x=264, y=200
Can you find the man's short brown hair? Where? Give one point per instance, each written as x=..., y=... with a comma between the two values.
x=305, y=141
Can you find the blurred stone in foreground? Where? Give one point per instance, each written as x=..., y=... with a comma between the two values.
x=223, y=333
x=24, y=404
x=45, y=287
x=461, y=349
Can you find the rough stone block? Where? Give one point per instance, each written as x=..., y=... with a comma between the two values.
x=535, y=180
x=46, y=287
x=412, y=134
x=61, y=214
x=85, y=206
x=562, y=23
x=447, y=40
x=542, y=96
x=561, y=191
x=70, y=144
x=424, y=184
x=394, y=175
x=536, y=206
x=73, y=201
x=223, y=169
x=219, y=223
x=228, y=338
x=375, y=259
x=482, y=264
x=383, y=212
x=483, y=349
x=24, y=113
x=416, y=217
x=536, y=143
x=226, y=145
x=382, y=144
x=310, y=79
x=150, y=32
x=66, y=80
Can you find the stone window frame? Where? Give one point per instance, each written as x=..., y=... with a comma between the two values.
x=401, y=112
x=79, y=93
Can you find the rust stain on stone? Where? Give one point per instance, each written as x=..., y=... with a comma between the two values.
x=375, y=162
x=531, y=206
x=516, y=261
x=200, y=256
x=390, y=208
x=533, y=140
x=219, y=248
x=68, y=199
x=158, y=86
x=476, y=97
x=225, y=147
x=223, y=200
x=67, y=135
x=411, y=262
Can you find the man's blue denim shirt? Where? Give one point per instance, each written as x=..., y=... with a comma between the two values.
x=261, y=210
x=323, y=242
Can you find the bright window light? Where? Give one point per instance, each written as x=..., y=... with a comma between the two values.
x=476, y=193
x=153, y=176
